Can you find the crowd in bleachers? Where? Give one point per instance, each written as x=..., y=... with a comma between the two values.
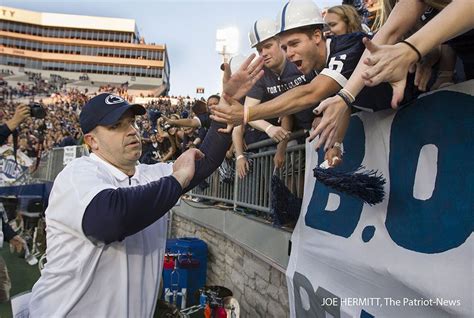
x=61, y=128
x=34, y=85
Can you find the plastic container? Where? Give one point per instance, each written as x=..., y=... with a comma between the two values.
x=192, y=266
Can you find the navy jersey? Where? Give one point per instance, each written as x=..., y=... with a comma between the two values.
x=205, y=123
x=304, y=118
x=204, y=120
x=343, y=55
x=272, y=85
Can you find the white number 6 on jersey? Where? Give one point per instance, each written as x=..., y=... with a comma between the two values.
x=337, y=65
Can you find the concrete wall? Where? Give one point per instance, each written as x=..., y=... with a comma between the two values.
x=251, y=271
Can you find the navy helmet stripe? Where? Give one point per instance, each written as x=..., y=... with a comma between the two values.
x=256, y=32
x=283, y=17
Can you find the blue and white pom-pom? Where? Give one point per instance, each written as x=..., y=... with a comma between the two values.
x=367, y=185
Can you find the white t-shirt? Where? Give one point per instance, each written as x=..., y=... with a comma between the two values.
x=83, y=279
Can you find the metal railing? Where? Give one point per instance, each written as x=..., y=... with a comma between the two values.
x=253, y=191
x=52, y=164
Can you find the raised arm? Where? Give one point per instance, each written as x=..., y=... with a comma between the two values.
x=216, y=144
x=241, y=162
x=277, y=133
x=114, y=214
x=21, y=113
x=383, y=62
x=390, y=63
x=288, y=103
x=185, y=122
x=214, y=148
x=279, y=157
x=402, y=18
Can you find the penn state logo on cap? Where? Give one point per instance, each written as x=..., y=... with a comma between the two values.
x=105, y=109
x=113, y=99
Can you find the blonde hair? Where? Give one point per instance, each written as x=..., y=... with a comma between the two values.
x=382, y=14
x=349, y=15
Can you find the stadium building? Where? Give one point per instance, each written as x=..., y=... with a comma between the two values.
x=96, y=50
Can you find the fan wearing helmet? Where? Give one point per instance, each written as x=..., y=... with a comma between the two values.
x=332, y=60
x=279, y=76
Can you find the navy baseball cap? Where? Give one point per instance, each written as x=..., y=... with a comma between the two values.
x=104, y=110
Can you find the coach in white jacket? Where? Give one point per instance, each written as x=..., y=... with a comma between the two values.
x=105, y=231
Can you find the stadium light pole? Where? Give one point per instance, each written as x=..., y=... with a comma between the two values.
x=227, y=42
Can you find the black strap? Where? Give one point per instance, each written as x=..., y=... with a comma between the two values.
x=346, y=99
x=39, y=150
x=15, y=143
x=413, y=48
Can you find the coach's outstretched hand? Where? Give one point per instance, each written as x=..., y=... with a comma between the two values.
x=184, y=166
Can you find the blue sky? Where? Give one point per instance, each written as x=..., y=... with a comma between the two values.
x=188, y=28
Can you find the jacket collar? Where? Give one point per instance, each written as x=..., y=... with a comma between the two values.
x=117, y=173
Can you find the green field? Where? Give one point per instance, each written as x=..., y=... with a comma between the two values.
x=22, y=275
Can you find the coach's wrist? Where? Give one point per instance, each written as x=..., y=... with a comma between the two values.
x=182, y=178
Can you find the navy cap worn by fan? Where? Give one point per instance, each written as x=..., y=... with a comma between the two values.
x=104, y=110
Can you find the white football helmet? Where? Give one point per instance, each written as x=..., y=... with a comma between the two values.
x=263, y=29
x=299, y=13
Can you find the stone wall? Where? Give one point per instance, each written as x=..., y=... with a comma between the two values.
x=260, y=288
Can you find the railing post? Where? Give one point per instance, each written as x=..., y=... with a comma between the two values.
x=236, y=186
